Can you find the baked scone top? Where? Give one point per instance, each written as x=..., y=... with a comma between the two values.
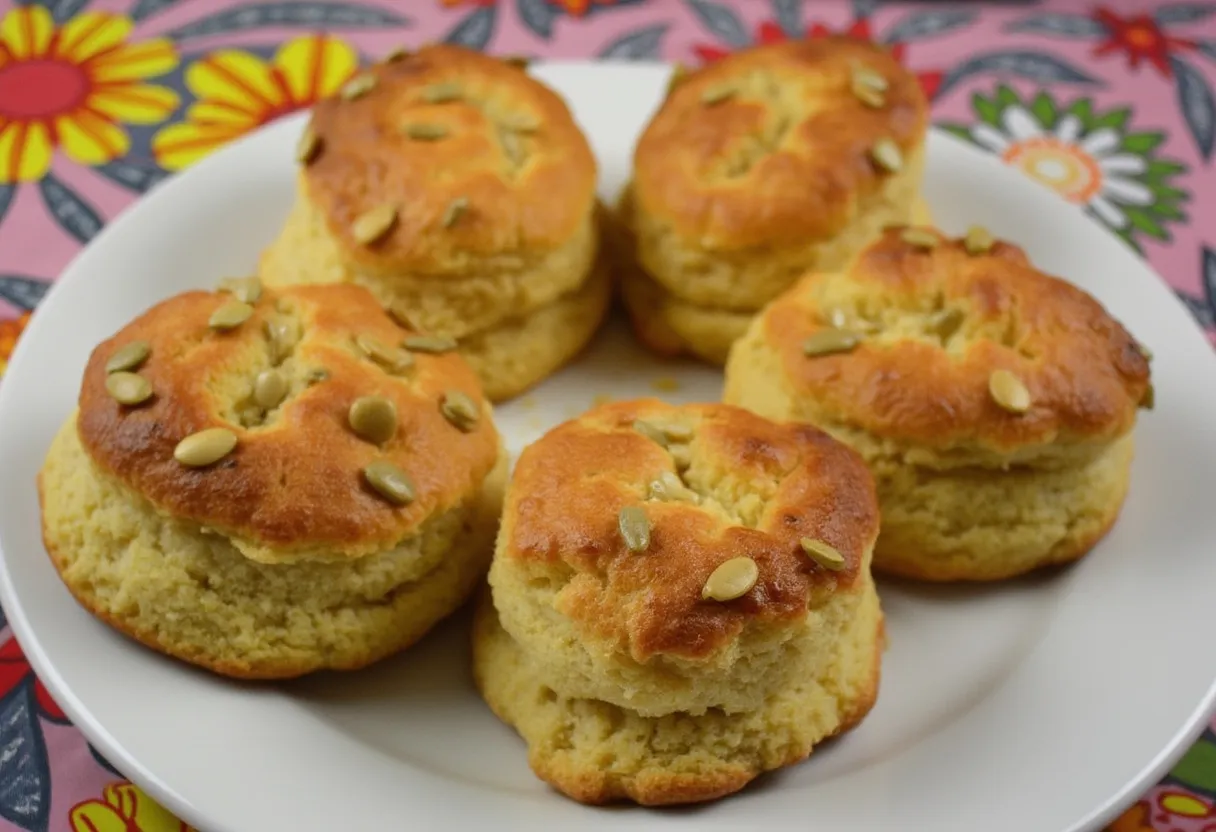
x=293, y=486
x=773, y=144
x=440, y=128
x=936, y=318
x=726, y=484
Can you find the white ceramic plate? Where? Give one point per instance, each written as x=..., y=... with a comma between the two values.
x=1035, y=706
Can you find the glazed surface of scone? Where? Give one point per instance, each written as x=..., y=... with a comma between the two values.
x=773, y=161
x=486, y=186
x=615, y=643
x=994, y=403
x=290, y=490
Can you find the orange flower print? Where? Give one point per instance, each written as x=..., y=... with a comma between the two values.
x=1134, y=819
x=237, y=92
x=124, y=808
x=72, y=87
x=10, y=330
x=575, y=8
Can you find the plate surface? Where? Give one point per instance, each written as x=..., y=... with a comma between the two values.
x=1042, y=704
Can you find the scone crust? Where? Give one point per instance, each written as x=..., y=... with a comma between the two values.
x=908, y=383
x=528, y=204
x=784, y=159
x=561, y=514
x=292, y=488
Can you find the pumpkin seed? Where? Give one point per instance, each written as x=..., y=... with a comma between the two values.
x=442, y=93
x=129, y=357
x=390, y=482
x=357, y=87
x=1149, y=399
x=678, y=73
x=830, y=341
x=520, y=122
x=128, y=388
x=371, y=225
x=244, y=289
x=426, y=132
x=460, y=410
x=872, y=98
x=204, y=448
x=886, y=154
x=373, y=418
x=675, y=431
x=823, y=554
x=945, y=322
x=681, y=455
x=230, y=315
x=1144, y=351
x=316, y=376
x=429, y=343
x=269, y=389
x=511, y=146
x=732, y=579
x=920, y=238
x=396, y=54
x=978, y=240
x=651, y=432
x=308, y=147
x=635, y=528
x=250, y=416
x=716, y=95
x=399, y=313
x=456, y=209
x=1008, y=391
x=281, y=338
x=863, y=76
x=390, y=358
x=670, y=487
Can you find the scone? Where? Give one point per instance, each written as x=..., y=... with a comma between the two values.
x=773, y=161
x=265, y=484
x=461, y=193
x=993, y=403
x=680, y=600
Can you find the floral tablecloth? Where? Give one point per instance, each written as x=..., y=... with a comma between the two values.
x=1111, y=104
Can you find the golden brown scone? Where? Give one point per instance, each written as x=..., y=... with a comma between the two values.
x=994, y=403
x=484, y=185
x=662, y=693
x=773, y=161
x=280, y=556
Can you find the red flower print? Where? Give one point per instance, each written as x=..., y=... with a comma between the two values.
x=770, y=32
x=1140, y=38
x=15, y=669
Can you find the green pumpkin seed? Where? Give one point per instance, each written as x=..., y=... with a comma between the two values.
x=390, y=482
x=520, y=122
x=978, y=240
x=308, y=147
x=681, y=455
x=429, y=343
x=1149, y=399
x=455, y=210
x=635, y=528
x=204, y=448
x=1008, y=391
x=1144, y=351
x=511, y=146
x=371, y=225
x=460, y=410
x=823, y=554
x=128, y=388
x=864, y=76
x=670, y=487
x=390, y=358
x=129, y=357
x=244, y=289
x=920, y=238
x=732, y=579
x=716, y=95
x=316, y=376
x=280, y=337
x=675, y=431
x=831, y=341
x=357, y=87
x=886, y=154
x=426, y=132
x=945, y=322
x=269, y=389
x=651, y=431
x=230, y=315
x=441, y=93
x=373, y=418
x=872, y=98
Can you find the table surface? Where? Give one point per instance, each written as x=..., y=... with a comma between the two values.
x=1111, y=104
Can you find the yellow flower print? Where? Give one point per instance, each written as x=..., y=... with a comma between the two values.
x=238, y=92
x=124, y=808
x=72, y=86
x=10, y=331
